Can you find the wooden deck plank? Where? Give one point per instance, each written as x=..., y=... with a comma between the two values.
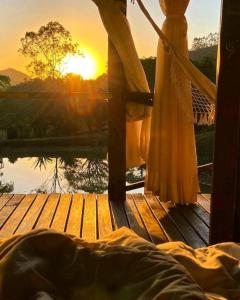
x=7, y=210
x=16, y=217
x=75, y=216
x=197, y=224
x=207, y=196
x=32, y=215
x=15, y=200
x=105, y=226
x=119, y=215
x=5, y=213
x=186, y=229
x=89, y=227
x=59, y=222
x=4, y=199
x=165, y=220
x=153, y=227
x=203, y=202
x=94, y=216
x=134, y=218
x=201, y=213
x=46, y=216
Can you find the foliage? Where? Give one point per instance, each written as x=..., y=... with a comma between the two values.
x=40, y=190
x=205, y=146
x=46, y=49
x=136, y=174
x=88, y=175
x=205, y=41
x=41, y=162
x=57, y=115
x=5, y=187
x=207, y=65
x=12, y=159
x=5, y=81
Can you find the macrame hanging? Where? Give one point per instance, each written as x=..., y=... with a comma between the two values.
x=203, y=110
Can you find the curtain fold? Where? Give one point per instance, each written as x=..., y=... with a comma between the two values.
x=172, y=163
x=138, y=116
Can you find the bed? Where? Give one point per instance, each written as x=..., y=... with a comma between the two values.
x=47, y=265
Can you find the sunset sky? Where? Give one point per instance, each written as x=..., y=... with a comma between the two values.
x=81, y=18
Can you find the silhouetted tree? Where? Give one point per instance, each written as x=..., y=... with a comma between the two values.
x=47, y=48
x=5, y=82
x=205, y=41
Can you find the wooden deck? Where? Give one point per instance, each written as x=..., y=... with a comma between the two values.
x=93, y=216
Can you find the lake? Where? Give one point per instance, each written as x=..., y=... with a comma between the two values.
x=65, y=174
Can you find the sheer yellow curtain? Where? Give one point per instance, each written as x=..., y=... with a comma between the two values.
x=138, y=116
x=205, y=85
x=172, y=162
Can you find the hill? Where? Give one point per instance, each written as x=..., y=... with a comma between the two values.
x=15, y=75
x=199, y=54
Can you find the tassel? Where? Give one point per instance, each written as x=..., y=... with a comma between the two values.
x=195, y=118
x=205, y=119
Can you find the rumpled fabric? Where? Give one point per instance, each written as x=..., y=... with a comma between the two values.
x=172, y=162
x=138, y=115
x=47, y=265
x=215, y=268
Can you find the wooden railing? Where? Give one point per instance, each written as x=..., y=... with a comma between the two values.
x=29, y=95
x=140, y=184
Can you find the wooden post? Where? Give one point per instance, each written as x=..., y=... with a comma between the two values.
x=225, y=207
x=117, y=125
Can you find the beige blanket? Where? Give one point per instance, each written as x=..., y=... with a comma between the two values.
x=47, y=265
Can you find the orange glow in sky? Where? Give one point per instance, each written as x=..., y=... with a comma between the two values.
x=81, y=18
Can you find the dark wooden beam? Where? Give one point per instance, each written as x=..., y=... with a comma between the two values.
x=141, y=98
x=117, y=125
x=225, y=207
x=135, y=186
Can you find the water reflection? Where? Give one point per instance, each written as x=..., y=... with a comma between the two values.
x=60, y=174
x=5, y=187
x=88, y=175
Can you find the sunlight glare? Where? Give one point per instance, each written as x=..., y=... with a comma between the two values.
x=83, y=65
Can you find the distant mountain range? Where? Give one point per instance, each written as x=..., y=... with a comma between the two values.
x=15, y=75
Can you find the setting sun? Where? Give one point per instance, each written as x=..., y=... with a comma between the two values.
x=84, y=65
